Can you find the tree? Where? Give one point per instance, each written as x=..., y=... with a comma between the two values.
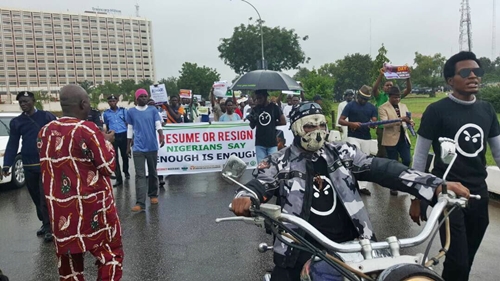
x=86, y=85
x=109, y=88
x=491, y=69
x=144, y=84
x=95, y=96
x=39, y=99
x=351, y=72
x=301, y=73
x=196, y=78
x=242, y=50
x=170, y=84
x=127, y=89
x=378, y=63
x=428, y=71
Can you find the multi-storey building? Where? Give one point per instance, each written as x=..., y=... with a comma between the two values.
x=43, y=51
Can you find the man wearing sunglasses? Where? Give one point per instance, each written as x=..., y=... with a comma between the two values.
x=471, y=123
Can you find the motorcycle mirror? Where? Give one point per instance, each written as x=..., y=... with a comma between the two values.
x=448, y=150
x=234, y=168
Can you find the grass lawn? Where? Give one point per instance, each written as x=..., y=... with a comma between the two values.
x=417, y=105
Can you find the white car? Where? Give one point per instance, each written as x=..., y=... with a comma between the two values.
x=16, y=176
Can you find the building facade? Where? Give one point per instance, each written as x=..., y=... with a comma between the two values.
x=43, y=51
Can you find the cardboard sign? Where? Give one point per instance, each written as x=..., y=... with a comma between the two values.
x=185, y=94
x=158, y=93
x=221, y=88
x=396, y=72
x=229, y=94
x=295, y=93
x=203, y=110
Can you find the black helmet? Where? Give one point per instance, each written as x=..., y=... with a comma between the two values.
x=303, y=109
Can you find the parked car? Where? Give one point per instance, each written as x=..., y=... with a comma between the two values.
x=16, y=176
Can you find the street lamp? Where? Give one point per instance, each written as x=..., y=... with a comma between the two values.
x=261, y=35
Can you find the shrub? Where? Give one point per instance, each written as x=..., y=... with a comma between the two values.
x=492, y=95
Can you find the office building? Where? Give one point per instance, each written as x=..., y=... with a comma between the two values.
x=43, y=51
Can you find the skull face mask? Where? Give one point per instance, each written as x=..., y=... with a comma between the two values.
x=311, y=129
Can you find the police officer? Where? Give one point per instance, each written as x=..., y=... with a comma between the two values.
x=95, y=116
x=114, y=119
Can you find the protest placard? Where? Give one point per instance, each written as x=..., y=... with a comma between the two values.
x=296, y=93
x=185, y=94
x=396, y=72
x=221, y=88
x=158, y=93
x=229, y=94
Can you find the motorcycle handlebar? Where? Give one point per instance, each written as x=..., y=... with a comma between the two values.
x=271, y=210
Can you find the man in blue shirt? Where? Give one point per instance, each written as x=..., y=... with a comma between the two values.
x=143, y=123
x=360, y=111
x=115, y=120
x=27, y=125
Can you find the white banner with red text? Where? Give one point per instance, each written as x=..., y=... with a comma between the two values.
x=201, y=147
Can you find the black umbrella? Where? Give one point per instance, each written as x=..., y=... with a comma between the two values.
x=266, y=80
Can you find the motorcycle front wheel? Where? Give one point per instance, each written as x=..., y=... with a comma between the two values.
x=409, y=272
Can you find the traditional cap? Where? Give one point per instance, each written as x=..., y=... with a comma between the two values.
x=365, y=92
x=25, y=94
x=140, y=92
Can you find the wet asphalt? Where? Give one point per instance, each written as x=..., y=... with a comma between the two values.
x=179, y=239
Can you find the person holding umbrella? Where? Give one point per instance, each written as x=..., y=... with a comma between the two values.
x=265, y=116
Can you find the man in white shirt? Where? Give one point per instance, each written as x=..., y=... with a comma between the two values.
x=348, y=96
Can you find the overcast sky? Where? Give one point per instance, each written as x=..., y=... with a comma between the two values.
x=190, y=30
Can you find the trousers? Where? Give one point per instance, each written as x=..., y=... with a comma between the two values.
x=467, y=228
x=109, y=263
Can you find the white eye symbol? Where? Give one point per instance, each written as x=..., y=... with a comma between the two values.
x=474, y=137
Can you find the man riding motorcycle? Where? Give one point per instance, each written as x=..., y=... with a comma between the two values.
x=317, y=181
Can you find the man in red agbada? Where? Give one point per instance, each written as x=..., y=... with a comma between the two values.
x=76, y=160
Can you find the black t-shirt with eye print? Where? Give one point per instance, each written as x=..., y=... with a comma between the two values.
x=328, y=213
x=470, y=126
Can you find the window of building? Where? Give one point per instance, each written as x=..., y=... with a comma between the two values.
x=9, y=53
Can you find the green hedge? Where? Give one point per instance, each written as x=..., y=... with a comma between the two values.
x=491, y=94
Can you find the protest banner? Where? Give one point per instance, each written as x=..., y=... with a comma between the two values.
x=192, y=148
x=396, y=72
x=198, y=97
x=220, y=88
x=199, y=148
x=185, y=94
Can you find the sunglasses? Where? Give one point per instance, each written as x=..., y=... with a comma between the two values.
x=465, y=72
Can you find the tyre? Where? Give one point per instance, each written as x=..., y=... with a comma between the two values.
x=408, y=272
x=18, y=178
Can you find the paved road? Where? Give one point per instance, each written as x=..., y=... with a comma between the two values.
x=179, y=239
